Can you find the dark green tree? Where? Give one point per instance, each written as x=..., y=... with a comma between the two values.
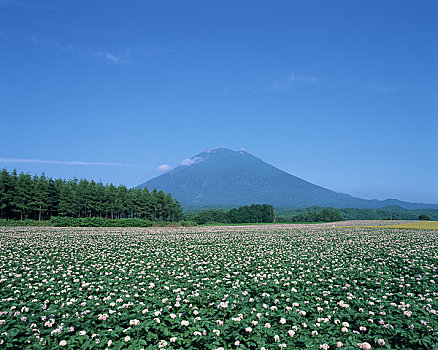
x=40, y=196
x=23, y=196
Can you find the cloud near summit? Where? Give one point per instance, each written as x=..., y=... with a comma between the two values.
x=190, y=161
x=187, y=162
x=164, y=167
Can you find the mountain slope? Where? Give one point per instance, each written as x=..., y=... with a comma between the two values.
x=225, y=178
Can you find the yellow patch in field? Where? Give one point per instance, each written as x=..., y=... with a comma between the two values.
x=426, y=225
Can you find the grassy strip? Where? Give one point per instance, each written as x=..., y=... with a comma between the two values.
x=93, y=222
x=259, y=223
x=426, y=225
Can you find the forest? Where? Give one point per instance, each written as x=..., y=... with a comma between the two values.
x=322, y=215
x=387, y=213
x=255, y=213
x=23, y=196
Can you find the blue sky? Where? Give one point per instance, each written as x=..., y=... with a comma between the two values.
x=341, y=93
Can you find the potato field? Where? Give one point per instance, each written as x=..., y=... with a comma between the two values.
x=264, y=287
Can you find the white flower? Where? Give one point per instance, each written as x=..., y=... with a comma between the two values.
x=291, y=333
x=63, y=343
x=127, y=338
x=184, y=323
x=223, y=304
x=282, y=320
x=82, y=332
x=267, y=325
x=381, y=342
x=162, y=343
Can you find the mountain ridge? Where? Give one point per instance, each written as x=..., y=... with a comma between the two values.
x=227, y=178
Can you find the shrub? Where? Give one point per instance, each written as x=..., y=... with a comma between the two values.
x=188, y=223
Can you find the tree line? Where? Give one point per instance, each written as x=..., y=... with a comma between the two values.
x=323, y=215
x=386, y=213
x=255, y=213
x=23, y=196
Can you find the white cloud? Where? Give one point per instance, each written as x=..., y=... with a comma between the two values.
x=295, y=80
x=292, y=80
x=384, y=88
x=102, y=55
x=190, y=161
x=110, y=57
x=164, y=167
x=60, y=162
x=286, y=83
x=187, y=162
x=20, y=4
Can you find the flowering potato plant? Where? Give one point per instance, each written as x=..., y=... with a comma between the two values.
x=218, y=288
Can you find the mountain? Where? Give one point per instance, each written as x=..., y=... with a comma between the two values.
x=225, y=178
